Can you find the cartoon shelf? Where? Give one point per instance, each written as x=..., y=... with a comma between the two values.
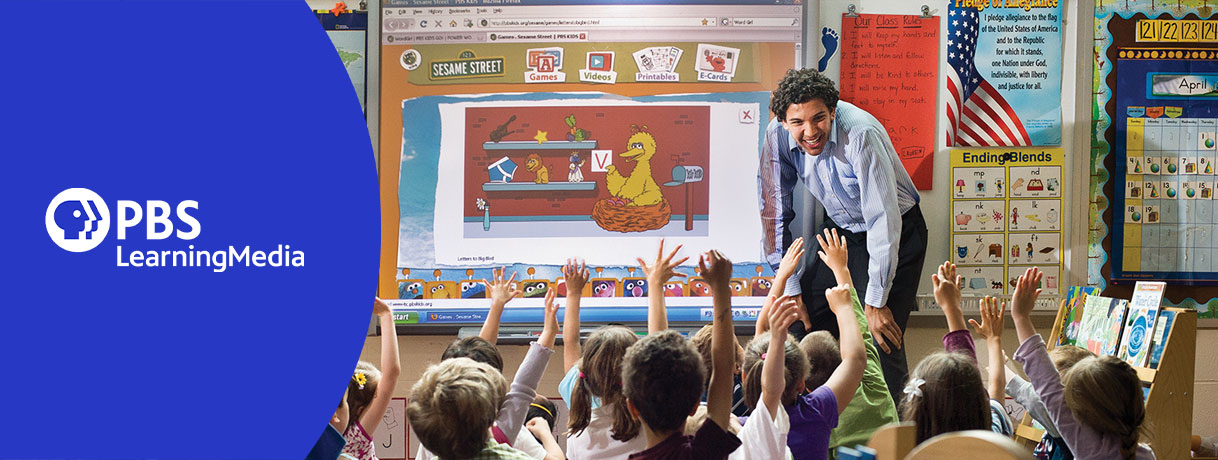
x=552, y=186
x=534, y=145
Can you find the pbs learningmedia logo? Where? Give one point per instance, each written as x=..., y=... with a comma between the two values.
x=78, y=220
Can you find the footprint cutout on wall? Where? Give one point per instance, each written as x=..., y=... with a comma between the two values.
x=828, y=39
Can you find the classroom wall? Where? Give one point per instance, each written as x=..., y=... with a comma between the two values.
x=1076, y=119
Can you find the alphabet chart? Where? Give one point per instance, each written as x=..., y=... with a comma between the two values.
x=1006, y=216
x=1164, y=213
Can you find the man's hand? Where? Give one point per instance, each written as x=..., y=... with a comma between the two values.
x=883, y=328
x=501, y=290
x=802, y=311
x=783, y=314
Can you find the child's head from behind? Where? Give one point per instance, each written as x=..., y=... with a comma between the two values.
x=361, y=389
x=453, y=406
x=1066, y=356
x=1105, y=393
x=702, y=342
x=945, y=394
x=477, y=349
x=795, y=370
x=663, y=377
x=601, y=376
x=544, y=408
x=824, y=356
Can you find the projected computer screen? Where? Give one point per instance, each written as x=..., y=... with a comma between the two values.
x=521, y=134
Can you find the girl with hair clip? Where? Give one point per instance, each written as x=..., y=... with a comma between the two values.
x=600, y=425
x=945, y=393
x=1097, y=405
x=370, y=390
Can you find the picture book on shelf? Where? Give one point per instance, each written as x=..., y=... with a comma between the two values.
x=1143, y=309
x=1159, y=339
x=1072, y=319
x=1102, y=320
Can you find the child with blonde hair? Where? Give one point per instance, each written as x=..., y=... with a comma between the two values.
x=599, y=424
x=509, y=424
x=453, y=406
x=370, y=390
x=1097, y=405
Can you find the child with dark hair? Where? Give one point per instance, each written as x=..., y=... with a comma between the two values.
x=599, y=424
x=662, y=378
x=871, y=405
x=370, y=390
x=540, y=423
x=510, y=420
x=1097, y=405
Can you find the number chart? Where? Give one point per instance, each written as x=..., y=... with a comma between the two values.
x=1165, y=142
x=1006, y=216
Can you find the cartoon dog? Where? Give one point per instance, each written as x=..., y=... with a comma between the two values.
x=534, y=164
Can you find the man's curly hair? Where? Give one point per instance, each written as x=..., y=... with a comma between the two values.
x=800, y=86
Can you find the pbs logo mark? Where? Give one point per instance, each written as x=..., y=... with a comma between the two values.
x=77, y=220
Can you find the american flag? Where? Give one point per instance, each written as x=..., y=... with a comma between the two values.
x=984, y=118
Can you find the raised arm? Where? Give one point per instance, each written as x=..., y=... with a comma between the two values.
x=575, y=276
x=391, y=367
x=773, y=377
x=524, y=385
x=717, y=271
x=1022, y=302
x=834, y=254
x=659, y=273
x=791, y=262
x=501, y=293
x=991, y=328
x=549, y=328
x=947, y=294
x=845, y=379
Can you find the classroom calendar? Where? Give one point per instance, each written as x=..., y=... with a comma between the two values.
x=1006, y=217
x=1165, y=140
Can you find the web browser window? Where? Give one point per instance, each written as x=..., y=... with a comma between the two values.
x=518, y=134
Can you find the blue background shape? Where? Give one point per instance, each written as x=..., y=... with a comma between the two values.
x=244, y=107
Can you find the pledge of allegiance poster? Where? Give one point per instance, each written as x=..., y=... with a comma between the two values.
x=1004, y=82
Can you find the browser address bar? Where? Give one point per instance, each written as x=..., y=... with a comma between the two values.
x=516, y=23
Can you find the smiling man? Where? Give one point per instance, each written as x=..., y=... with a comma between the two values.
x=846, y=160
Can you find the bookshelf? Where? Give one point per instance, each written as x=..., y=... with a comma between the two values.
x=1169, y=405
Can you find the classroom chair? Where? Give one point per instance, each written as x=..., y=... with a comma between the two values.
x=970, y=444
x=893, y=441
